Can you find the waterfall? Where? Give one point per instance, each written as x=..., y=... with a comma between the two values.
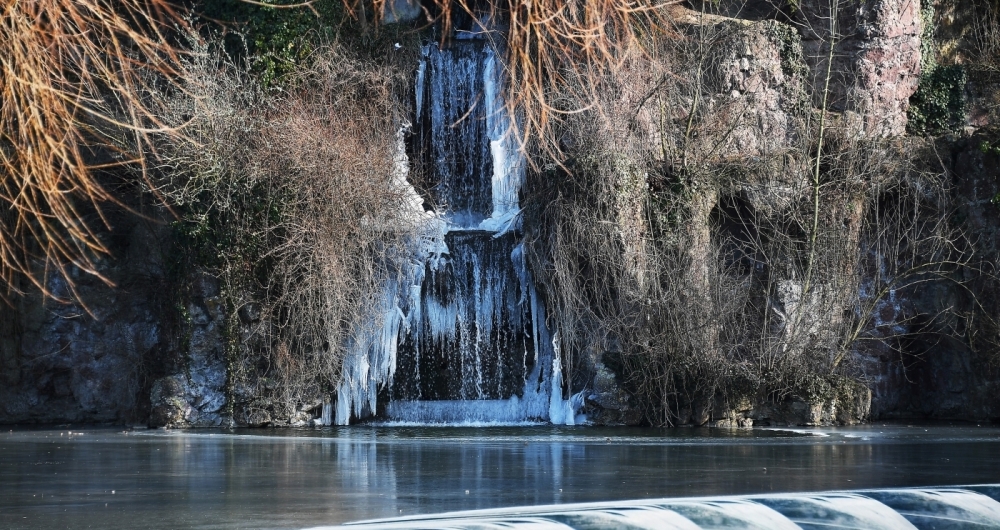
x=463, y=335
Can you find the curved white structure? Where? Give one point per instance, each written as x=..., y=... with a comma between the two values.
x=963, y=507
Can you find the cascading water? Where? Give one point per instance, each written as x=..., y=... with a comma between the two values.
x=463, y=337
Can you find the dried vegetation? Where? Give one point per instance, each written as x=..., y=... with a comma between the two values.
x=755, y=250
x=71, y=74
x=292, y=198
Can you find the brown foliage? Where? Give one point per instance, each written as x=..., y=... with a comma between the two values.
x=70, y=72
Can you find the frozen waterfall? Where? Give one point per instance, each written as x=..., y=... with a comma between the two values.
x=462, y=337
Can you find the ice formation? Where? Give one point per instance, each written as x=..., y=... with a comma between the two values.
x=461, y=336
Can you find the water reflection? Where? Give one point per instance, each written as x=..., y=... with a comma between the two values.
x=286, y=479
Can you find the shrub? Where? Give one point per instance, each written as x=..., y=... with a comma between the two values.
x=278, y=37
x=291, y=198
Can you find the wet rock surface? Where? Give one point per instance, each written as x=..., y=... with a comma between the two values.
x=195, y=397
x=607, y=403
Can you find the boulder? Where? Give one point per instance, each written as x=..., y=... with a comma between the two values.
x=607, y=403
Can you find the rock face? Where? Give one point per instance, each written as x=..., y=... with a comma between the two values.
x=195, y=397
x=876, y=58
x=607, y=403
x=751, y=118
x=749, y=97
x=124, y=356
x=69, y=362
x=842, y=410
x=943, y=377
x=118, y=355
x=756, y=73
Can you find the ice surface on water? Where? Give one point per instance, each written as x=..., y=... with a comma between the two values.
x=461, y=335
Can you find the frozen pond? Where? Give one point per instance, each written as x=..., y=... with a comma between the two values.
x=107, y=478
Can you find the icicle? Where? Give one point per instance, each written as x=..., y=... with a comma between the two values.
x=508, y=161
x=327, y=417
x=421, y=73
x=557, y=412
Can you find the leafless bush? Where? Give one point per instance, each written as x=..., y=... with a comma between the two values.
x=985, y=44
x=294, y=196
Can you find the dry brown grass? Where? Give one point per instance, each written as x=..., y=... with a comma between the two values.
x=70, y=71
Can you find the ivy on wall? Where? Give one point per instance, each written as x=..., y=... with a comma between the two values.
x=278, y=38
x=938, y=106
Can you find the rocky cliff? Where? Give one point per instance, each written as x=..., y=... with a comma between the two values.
x=733, y=144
